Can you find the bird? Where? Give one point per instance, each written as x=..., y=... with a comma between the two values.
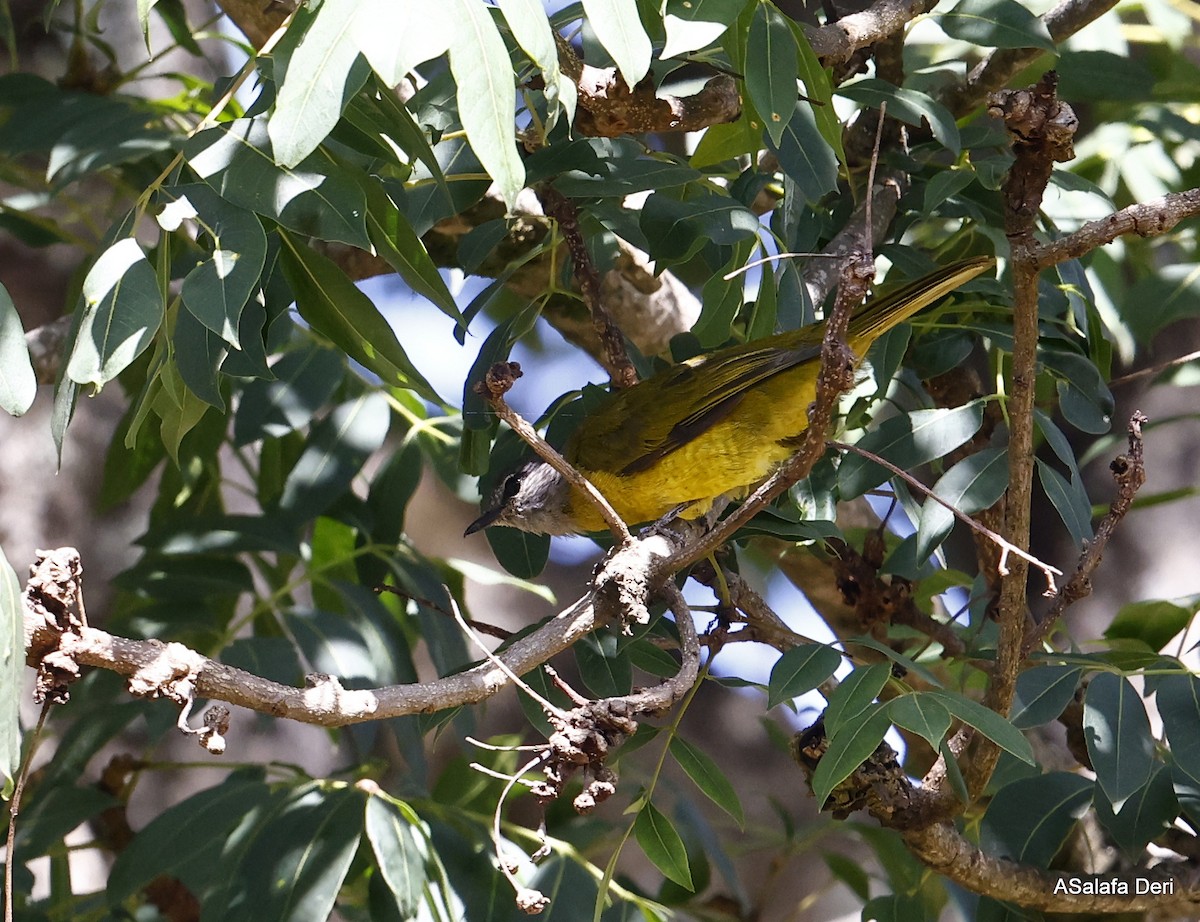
x=706, y=428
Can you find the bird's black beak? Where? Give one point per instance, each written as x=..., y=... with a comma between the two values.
x=483, y=521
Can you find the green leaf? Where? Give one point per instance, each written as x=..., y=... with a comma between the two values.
x=987, y=722
x=399, y=855
x=908, y=105
x=318, y=82
x=662, y=845
x=217, y=289
x=848, y=750
x=1153, y=621
x=291, y=865
x=396, y=242
x=772, y=69
x=806, y=156
x=221, y=534
x=605, y=669
x=334, y=455
x=484, y=77
x=1178, y=700
x=677, y=229
x=198, y=354
x=708, y=777
x=908, y=441
x=694, y=24
x=12, y=673
x=1043, y=692
x=304, y=379
x=619, y=30
x=336, y=308
x=531, y=28
x=177, y=407
x=855, y=695
x=1143, y=817
x=1069, y=498
x=1029, y=820
x=925, y=716
x=850, y=872
x=996, y=24
x=800, y=670
x=818, y=87
x=395, y=39
x=18, y=383
x=123, y=308
x=975, y=483
x=1118, y=736
x=317, y=197
x=204, y=821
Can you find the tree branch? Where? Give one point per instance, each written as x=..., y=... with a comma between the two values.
x=945, y=850
x=1003, y=64
x=1042, y=129
x=1148, y=219
x=1129, y=473
x=836, y=42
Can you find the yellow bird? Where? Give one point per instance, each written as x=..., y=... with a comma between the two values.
x=708, y=427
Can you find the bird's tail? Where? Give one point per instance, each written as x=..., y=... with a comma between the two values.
x=880, y=314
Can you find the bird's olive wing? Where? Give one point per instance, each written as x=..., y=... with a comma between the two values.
x=645, y=423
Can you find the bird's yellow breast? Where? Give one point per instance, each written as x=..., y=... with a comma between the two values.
x=732, y=454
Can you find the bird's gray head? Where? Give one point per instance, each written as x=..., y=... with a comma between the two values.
x=533, y=498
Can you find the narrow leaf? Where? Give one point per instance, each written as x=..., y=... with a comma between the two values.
x=800, y=670
x=925, y=716
x=855, y=695
x=987, y=722
x=908, y=441
x=1070, y=500
x=123, y=308
x=1043, y=692
x=694, y=24
x=337, y=449
x=400, y=857
x=996, y=24
x=771, y=69
x=975, y=483
x=708, y=777
x=1178, y=700
x=619, y=29
x=314, y=89
x=662, y=845
x=847, y=751
x=18, y=383
x=12, y=673
x=336, y=308
x=484, y=77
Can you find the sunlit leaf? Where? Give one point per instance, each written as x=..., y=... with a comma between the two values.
x=18, y=384
x=123, y=308
x=619, y=29
x=484, y=78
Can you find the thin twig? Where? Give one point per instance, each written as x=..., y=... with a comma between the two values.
x=563, y=210
x=1146, y=219
x=545, y=705
x=492, y=630
x=1006, y=547
x=14, y=807
x=1129, y=473
x=498, y=381
x=1154, y=369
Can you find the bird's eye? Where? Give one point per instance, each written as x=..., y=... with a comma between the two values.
x=512, y=486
